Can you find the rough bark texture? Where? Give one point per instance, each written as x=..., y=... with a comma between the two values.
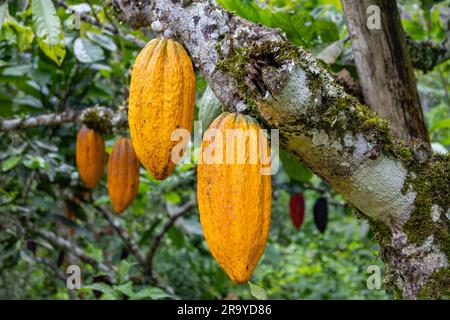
x=402, y=189
x=385, y=68
x=103, y=119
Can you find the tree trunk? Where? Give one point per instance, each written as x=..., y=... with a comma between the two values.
x=384, y=66
x=403, y=190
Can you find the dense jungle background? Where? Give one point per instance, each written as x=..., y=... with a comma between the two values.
x=60, y=56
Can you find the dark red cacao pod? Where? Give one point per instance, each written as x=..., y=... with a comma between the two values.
x=297, y=209
x=321, y=214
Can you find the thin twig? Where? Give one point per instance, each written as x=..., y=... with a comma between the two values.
x=181, y=211
x=73, y=249
x=52, y=267
x=123, y=233
x=93, y=21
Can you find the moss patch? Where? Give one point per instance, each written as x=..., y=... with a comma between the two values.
x=438, y=286
x=341, y=113
x=432, y=187
x=98, y=123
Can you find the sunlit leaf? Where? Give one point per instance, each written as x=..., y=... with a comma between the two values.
x=10, y=163
x=257, y=292
x=87, y=52
x=48, y=30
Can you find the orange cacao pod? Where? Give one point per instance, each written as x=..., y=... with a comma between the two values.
x=90, y=156
x=162, y=97
x=123, y=174
x=234, y=197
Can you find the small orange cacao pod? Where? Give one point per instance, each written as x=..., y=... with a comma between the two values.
x=90, y=156
x=123, y=174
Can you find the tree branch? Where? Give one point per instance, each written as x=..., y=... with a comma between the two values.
x=63, y=277
x=179, y=212
x=123, y=233
x=41, y=120
x=101, y=118
x=73, y=249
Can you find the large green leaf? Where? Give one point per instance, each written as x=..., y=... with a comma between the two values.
x=14, y=32
x=294, y=168
x=87, y=52
x=48, y=30
x=10, y=163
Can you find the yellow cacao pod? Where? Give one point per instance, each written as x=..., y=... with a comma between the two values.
x=162, y=97
x=234, y=197
x=90, y=156
x=123, y=174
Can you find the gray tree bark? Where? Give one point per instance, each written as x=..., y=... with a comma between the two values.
x=384, y=66
x=401, y=189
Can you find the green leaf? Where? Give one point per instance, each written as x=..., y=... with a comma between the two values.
x=10, y=163
x=176, y=237
x=441, y=124
x=108, y=296
x=209, y=108
x=102, y=200
x=172, y=196
x=102, y=40
x=87, y=52
x=48, y=30
x=35, y=162
x=152, y=293
x=257, y=292
x=3, y=10
x=100, y=286
x=126, y=289
x=294, y=168
x=17, y=71
x=124, y=268
x=14, y=32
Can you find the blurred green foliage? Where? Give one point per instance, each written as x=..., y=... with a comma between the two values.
x=68, y=63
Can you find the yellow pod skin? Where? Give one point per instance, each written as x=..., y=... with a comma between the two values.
x=90, y=156
x=162, y=99
x=123, y=175
x=235, y=200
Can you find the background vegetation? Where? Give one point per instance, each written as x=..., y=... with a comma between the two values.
x=53, y=63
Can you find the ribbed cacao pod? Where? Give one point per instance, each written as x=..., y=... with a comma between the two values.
x=123, y=174
x=297, y=209
x=234, y=197
x=90, y=156
x=162, y=97
x=321, y=214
